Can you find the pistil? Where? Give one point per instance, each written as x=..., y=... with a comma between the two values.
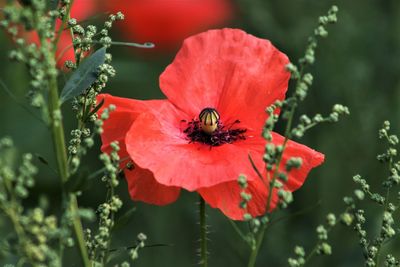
x=209, y=130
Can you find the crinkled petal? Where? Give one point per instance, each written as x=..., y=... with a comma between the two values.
x=116, y=127
x=310, y=159
x=156, y=142
x=230, y=70
x=226, y=196
x=143, y=187
x=141, y=182
x=121, y=119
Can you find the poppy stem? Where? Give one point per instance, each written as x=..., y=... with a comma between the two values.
x=203, y=234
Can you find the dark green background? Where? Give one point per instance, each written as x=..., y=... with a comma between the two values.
x=358, y=66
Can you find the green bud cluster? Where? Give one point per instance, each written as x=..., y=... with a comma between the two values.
x=98, y=245
x=245, y=197
x=393, y=141
x=346, y=218
x=34, y=230
x=372, y=246
x=38, y=60
x=134, y=253
x=391, y=261
x=84, y=37
x=41, y=231
x=41, y=239
x=322, y=246
x=285, y=197
x=274, y=153
x=16, y=185
x=86, y=105
x=293, y=163
x=307, y=123
x=272, y=119
x=300, y=259
x=80, y=142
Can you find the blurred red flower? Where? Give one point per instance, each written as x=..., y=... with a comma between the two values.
x=236, y=74
x=81, y=10
x=167, y=22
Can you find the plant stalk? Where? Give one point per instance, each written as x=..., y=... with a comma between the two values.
x=57, y=130
x=261, y=233
x=203, y=234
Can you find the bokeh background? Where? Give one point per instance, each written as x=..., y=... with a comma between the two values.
x=358, y=65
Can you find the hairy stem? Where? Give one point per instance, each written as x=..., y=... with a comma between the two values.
x=203, y=234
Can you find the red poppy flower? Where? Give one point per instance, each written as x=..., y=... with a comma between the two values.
x=81, y=10
x=167, y=22
x=225, y=74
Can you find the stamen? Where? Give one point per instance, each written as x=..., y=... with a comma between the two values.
x=221, y=135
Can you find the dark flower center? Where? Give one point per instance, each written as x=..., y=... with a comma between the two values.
x=208, y=129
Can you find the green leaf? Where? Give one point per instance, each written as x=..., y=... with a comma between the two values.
x=124, y=218
x=84, y=76
x=77, y=182
x=255, y=167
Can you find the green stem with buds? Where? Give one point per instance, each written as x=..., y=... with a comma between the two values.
x=261, y=233
x=57, y=130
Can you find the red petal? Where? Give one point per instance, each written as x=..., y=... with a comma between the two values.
x=143, y=187
x=82, y=9
x=226, y=196
x=230, y=70
x=310, y=159
x=157, y=143
x=141, y=183
x=121, y=119
x=65, y=50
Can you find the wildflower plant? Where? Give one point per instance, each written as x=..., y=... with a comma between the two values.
x=91, y=71
x=214, y=135
x=278, y=175
x=387, y=199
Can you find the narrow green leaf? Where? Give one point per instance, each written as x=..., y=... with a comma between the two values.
x=77, y=182
x=93, y=111
x=255, y=168
x=84, y=76
x=146, y=246
x=124, y=218
x=14, y=98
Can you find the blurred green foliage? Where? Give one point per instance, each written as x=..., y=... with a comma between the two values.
x=358, y=65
